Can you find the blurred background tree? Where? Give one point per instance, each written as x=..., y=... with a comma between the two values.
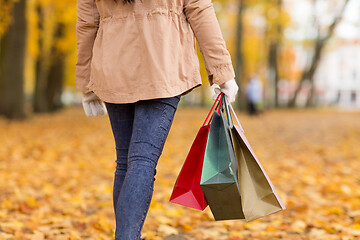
x=13, y=31
x=323, y=34
x=51, y=41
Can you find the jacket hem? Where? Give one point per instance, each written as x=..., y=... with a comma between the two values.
x=111, y=97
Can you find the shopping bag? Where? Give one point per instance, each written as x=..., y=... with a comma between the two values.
x=219, y=181
x=258, y=195
x=187, y=191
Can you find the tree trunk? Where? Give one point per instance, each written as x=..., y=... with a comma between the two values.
x=319, y=45
x=40, y=102
x=239, y=57
x=55, y=78
x=274, y=74
x=274, y=49
x=12, y=63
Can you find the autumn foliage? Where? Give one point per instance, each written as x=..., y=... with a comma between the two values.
x=57, y=171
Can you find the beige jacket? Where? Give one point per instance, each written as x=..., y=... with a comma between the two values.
x=146, y=50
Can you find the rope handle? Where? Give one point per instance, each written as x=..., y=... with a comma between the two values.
x=228, y=105
x=219, y=104
x=216, y=103
x=228, y=115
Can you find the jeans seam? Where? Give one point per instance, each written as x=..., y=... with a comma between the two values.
x=162, y=123
x=147, y=143
x=144, y=214
x=136, y=157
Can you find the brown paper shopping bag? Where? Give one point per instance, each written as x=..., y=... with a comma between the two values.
x=258, y=195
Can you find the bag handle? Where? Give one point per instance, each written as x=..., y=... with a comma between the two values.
x=224, y=103
x=216, y=103
x=228, y=105
x=220, y=101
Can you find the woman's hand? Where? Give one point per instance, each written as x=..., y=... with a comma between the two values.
x=93, y=105
x=229, y=88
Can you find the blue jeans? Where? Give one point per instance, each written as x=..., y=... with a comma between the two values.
x=140, y=130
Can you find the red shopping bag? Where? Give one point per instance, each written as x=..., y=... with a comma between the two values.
x=187, y=191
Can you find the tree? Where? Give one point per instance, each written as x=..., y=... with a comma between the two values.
x=309, y=71
x=50, y=62
x=273, y=56
x=55, y=80
x=12, y=55
x=239, y=58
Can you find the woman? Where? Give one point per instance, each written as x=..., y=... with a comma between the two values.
x=135, y=60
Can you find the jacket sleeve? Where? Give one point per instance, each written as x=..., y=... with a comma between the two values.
x=87, y=24
x=202, y=18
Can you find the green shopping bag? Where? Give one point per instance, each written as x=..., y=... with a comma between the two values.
x=219, y=181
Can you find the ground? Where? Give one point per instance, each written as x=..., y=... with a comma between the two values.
x=57, y=171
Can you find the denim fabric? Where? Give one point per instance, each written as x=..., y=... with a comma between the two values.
x=140, y=130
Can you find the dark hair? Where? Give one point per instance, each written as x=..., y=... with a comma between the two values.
x=126, y=1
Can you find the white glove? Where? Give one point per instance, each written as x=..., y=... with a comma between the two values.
x=229, y=88
x=93, y=105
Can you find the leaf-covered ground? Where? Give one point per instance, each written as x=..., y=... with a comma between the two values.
x=56, y=173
